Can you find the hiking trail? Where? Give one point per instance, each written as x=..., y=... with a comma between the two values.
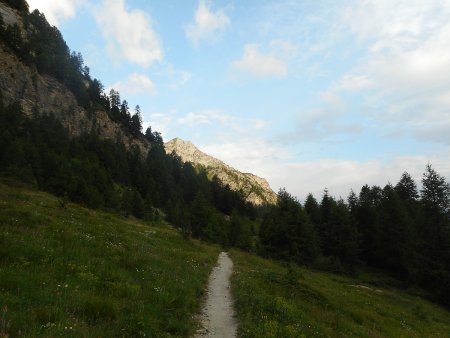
x=217, y=317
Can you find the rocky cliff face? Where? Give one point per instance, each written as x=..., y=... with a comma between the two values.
x=255, y=189
x=10, y=16
x=44, y=94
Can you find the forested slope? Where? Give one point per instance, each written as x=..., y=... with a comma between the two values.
x=63, y=134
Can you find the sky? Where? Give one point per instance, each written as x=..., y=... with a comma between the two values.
x=309, y=94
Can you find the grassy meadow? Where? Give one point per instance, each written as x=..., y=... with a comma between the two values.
x=67, y=271
x=276, y=300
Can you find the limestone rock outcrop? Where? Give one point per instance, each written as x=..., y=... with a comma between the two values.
x=255, y=189
x=43, y=94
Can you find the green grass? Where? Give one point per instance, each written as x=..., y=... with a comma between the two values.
x=273, y=300
x=75, y=272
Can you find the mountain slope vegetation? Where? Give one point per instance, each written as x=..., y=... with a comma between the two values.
x=127, y=171
x=282, y=300
x=66, y=270
x=401, y=230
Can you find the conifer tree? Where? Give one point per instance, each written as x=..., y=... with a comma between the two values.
x=312, y=208
x=396, y=233
x=434, y=234
x=287, y=233
x=406, y=188
x=341, y=238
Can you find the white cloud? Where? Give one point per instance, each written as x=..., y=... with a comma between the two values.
x=325, y=123
x=351, y=82
x=136, y=84
x=208, y=116
x=129, y=33
x=56, y=10
x=253, y=155
x=260, y=64
x=158, y=122
x=208, y=25
x=405, y=71
x=242, y=153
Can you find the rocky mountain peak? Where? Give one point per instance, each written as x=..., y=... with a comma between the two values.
x=255, y=189
x=185, y=147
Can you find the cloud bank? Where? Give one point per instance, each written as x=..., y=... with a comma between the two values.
x=136, y=84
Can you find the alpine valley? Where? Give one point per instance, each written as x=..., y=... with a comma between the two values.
x=108, y=231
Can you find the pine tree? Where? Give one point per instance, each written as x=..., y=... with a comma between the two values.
x=287, y=233
x=201, y=216
x=342, y=238
x=312, y=208
x=352, y=201
x=406, y=188
x=435, y=193
x=395, y=250
x=136, y=122
x=435, y=234
x=367, y=222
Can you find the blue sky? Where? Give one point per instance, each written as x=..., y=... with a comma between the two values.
x=306, y=93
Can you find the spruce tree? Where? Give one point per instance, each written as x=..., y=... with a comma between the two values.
x=312, y=208
x=435, y=234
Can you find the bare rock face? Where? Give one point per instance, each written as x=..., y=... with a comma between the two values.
x=43, y=94
x=256, y=189
x=9, y=15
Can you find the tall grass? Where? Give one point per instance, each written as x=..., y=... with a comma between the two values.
x=73, y=272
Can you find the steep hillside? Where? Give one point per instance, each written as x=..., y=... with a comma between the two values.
x=39, y=92
x=256, y=189
x=67, y=271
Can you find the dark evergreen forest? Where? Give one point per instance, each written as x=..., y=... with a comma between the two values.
x=398, y=229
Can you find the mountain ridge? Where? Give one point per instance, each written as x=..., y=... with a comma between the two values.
x=42, y=93
x=255, y=189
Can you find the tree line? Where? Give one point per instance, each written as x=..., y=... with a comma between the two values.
x=399, y=229
x=103, y=174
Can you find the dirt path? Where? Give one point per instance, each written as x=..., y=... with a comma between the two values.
x=218, y=313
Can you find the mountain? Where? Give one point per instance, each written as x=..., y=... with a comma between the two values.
x=60, y=132
x=255, y=189
x=53, y=80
